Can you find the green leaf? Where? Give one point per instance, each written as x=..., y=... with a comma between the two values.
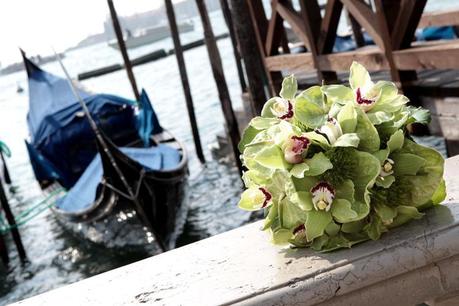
x=382, y=155
x=253, y=178
x=342, y=211
x=303, y=199
x=385, y=182
x=273, y=213
x=375, y=228
x=281, y=236
x=367, y=133
x=440, y=194
x=379, y=117
x=316, y=222
x=359, y=76
x=406, y=214
x=418, y=115
x=261, y=123
x=247, y=136
x=289, y=87
x=338, y=93
x=352, y=227
x=319, y=243
x=332, y=229
x=345, y=190
x=314, y=166
x=407, y=163
x=385, y=213
x=395, y=141
x=418, y=190
x=271, y=157
x=347, y=140
x=292, y=215
x=347, y=118
x=310, y=109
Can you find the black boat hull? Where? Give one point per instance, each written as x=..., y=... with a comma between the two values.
x=112, y=216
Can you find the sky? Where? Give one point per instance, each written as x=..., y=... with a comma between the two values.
x=36, y=25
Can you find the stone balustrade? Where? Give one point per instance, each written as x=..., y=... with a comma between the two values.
x=412, y=264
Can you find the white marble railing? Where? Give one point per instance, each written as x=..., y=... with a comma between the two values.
x=412, y=264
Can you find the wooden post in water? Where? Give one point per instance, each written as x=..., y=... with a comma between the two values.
x=3, y=251
x=6, y=173
x=184, y=76
x=10, y=218
x=237, y=56
x=223, y=92
x=250, y=52
x=122, y=46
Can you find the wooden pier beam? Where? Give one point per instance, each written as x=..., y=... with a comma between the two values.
x=219, y=76
x=234, y=42
x=11, y=221
x=122, y=45
x=184, y=76
x=251, y=54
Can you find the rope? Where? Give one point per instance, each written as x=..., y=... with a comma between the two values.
x=4, y=148
x=27, y=215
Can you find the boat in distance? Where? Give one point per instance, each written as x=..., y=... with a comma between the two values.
x=121, y=184
x=150, y=35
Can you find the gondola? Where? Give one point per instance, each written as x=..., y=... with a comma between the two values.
x=124, y=176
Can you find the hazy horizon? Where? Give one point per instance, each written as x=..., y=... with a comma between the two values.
x=35, y=26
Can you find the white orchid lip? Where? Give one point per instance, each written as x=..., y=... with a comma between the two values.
x=364, y=102
x=332, y=130
x=387, y=168
x=282, y=109
x=323, y=195
x=296, y=149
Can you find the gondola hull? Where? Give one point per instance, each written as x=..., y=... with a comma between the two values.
x=114, y=160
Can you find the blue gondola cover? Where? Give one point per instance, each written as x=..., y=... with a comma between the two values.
x=62, y=141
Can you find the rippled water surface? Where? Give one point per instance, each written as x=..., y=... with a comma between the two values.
x=57, y=258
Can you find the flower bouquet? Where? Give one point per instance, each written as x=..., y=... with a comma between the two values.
x=334, y=165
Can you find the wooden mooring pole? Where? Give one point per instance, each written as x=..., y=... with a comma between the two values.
x=3, y=251
x=219, y=76
x=10, y=218
x=122, y=46
x=184, y=76
x=6, y=173
x=237, y=56
x=250, y=52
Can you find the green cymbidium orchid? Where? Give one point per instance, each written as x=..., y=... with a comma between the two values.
x=332, y=167
x=379, y=101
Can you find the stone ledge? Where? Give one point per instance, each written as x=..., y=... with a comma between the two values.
x=409, y=265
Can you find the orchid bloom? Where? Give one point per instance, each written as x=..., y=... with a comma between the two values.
x=332, y=129
x=387, y=168
x=282, y=108
x=296, y=149
x=323, y=195
x=255, y=198
x=365, y=92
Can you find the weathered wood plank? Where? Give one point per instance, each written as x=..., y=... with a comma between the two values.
x=290, y=62
x=294, y=20
x=440, y=18
x=440, y=56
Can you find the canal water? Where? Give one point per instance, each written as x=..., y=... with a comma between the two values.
x=57, y=258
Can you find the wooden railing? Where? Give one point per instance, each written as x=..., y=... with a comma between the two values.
x=390, y=23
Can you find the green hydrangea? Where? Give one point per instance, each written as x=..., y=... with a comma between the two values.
x=333, y=166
